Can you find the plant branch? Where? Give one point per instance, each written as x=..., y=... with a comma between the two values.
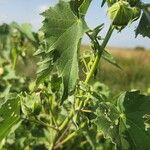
x=65, y=140
x=63, y=134
x=36, y=120
x=66, y=121
x=99, y=54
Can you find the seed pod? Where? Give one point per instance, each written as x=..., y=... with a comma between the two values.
x=120, y=13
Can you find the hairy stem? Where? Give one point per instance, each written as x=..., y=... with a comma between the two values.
x=99, y=54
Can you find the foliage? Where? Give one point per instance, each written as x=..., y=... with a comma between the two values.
x=63, y=33
x=61, y=110
x=125, y=123
x=144, y=24
x=10, y=107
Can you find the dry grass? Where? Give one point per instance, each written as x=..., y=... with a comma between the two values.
x=137, y=55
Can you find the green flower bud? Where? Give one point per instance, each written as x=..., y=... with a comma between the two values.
x=120, y=13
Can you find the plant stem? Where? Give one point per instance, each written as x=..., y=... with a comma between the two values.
x=36, y=120
x=65, y=140
x=66, y=121
x=53, y=118
x=63, y=134
x=99, y=54
x=92, y=71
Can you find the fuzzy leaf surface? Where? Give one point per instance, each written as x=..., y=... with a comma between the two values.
x=25, y=29
x=9, y=115
x=63, y=32
x=126, y=123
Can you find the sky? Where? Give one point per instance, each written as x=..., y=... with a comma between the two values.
x=23, y=11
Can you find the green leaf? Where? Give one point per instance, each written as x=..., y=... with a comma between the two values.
x=25, y=29
x=63, y=32
x=109, y=2
x=134, y=2
x=84, y=6
x=4, y=29
x=107, y=122
x=127, y=123
x=4, y=36
x=109, y=58
x=135, y=108
x=144, y=24
x=9, y=115
x=80, y=7
x=94, y=33
x=103, y=3
x=136, y=13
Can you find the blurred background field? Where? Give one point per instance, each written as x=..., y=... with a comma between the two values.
x=135, y=72
x=135, y=64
